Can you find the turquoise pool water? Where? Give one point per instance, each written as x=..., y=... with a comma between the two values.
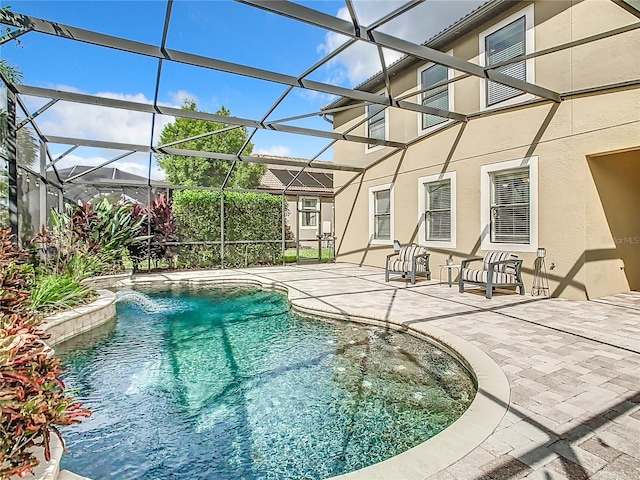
x=229, y=384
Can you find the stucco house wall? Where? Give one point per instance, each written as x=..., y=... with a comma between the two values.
x=586, y=148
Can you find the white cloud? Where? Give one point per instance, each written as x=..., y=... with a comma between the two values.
x=142, y=169
x=178, y=98
x=313, y=96
x=275, y=150
x=360, y=61
x=76, y=120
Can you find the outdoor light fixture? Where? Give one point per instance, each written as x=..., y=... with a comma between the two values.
x=396, y=245
x=540, y=280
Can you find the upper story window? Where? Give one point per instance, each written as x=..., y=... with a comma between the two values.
x=507, y=40
x=436, y=98
x=509, y=207
x=439, y=97
x=381, y=214
x=377, y=124
x=437, y=210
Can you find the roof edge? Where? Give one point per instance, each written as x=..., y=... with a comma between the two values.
x=461, y=27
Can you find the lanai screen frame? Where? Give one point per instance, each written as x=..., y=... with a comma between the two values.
x=354, y=30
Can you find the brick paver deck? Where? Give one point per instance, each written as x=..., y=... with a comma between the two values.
x=573, y=367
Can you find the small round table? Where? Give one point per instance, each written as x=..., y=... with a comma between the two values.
x=449, y=268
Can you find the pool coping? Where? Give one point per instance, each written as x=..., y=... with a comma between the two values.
x=70, y=323
x=477, y=423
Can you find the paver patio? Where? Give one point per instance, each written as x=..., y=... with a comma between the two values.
x=573, y=367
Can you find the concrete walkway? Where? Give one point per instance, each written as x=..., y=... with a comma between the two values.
x=573, y=367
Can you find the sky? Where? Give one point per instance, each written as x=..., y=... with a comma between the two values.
x=220, y=29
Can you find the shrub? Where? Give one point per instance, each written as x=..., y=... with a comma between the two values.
x=32, y=396
x=16, y=276
x=55, y=292
x=248, y=216
x=86, y=240
x=157, y=219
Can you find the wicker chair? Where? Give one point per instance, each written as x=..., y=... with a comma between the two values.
x=499, y=269
x=411, y=261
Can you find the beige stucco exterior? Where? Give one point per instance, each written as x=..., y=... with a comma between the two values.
x=587, y=150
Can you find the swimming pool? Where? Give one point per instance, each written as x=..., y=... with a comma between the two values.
x=228, y=383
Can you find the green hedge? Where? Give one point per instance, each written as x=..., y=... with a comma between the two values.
x=248, y=216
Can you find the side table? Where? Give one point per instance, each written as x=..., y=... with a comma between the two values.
x=449, y=269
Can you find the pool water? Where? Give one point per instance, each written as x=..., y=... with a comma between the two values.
x=228, y=383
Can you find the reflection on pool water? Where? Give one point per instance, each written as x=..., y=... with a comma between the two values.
x=229, y=383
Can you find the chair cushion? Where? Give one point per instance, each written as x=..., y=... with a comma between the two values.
x=400, y=266
x=494, y=256
x=480, y=276
x=406, y=254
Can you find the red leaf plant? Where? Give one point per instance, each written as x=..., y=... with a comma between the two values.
x=157, y=219
x=33, y=401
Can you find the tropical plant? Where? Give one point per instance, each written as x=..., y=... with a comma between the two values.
x=16, y=276
x=33, y=401
x=11, y=72
x=157, y=221
x=89, y=239
x=55, y=292
x=207, y=172
x=26, y=144
x=4, y=199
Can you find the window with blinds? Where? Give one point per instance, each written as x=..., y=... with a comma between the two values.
x=309, y=213
x=438, y=211
x=437, y=97
x=510, y=206
x=506, y=44
x=376, y=122
x=382, y=215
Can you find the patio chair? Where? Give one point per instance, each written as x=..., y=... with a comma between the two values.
x=499, y=269
x=412, y=260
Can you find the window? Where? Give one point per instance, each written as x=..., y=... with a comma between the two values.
x=440, y=97
x=437, y=210
x=381, y=214
x=377, y=124
x=509, y=205
x=309, y=212
x=509, y=39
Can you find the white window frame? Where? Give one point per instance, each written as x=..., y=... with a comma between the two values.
x=450, y=94
x=485, y=205
x=372, y=191
x=422, y=182
x=375, y=148
x=530, y=40
x=301, y=212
